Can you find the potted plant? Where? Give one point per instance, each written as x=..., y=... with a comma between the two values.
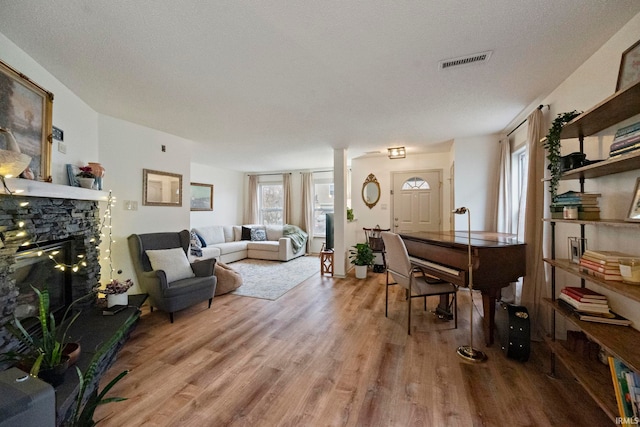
x=86, y=177
x=116, y=292
x=362, y=257
x=552, y=145
x=88, y=397
x=350, y=216
x=45, y=351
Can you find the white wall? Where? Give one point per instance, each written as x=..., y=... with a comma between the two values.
x=477, y=161
x=126, y=149
x=227, y=195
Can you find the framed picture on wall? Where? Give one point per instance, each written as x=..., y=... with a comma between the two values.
x=629, y=72
x=201, y=197
x=25, y=121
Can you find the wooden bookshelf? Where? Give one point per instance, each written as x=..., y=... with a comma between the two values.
x=621, y=288
x=616, y=108
x=618, y=164
x=591, y=374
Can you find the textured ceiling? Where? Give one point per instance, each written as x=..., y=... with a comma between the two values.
x=292, y=79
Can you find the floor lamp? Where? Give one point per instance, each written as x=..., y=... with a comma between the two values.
x=467, y=352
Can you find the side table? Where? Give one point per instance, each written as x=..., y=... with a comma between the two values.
x=326, y=262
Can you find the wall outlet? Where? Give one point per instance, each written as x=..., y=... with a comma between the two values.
x=130, y=205
x=62, y=148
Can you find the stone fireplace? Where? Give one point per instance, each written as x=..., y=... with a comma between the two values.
x=72, y=222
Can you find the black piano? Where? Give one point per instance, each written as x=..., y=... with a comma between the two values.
x=497, y=260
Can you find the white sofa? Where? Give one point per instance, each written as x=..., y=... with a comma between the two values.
x=225, y=243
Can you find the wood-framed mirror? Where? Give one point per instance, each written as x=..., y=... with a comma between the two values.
x=371, y=191
x=161, y=188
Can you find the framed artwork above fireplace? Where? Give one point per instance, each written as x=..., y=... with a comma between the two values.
x=25, y=116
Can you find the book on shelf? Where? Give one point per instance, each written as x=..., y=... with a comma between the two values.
x=621, y=387
x=604, y=276
x=602, y=268
x=585, y=292
x=624, y=150
x=586, y=307
x=625, y=142
x=633, y=382
x=609, y=318
x=611, y=256
x=606, y=264
x=626, y=131
x=581, y=297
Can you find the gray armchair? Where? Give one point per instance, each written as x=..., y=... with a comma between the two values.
x=179, y=294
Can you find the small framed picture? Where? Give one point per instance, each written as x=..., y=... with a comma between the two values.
x=201, y=197
x=577, y=246
x=634, y=209
x=629, y=72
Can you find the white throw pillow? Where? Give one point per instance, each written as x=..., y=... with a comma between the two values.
x=174, y=262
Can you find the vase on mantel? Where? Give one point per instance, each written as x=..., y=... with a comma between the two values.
x=86, y=182
x=98, y=170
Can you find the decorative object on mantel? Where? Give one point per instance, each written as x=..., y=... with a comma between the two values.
x=12, y=164
x=86, y=178
x=629, y=72
x=552, y=145
x=98, y=171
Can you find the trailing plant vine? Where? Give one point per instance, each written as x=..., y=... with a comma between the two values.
x=552, y=145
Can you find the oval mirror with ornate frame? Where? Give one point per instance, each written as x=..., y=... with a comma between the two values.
x=371, y=191
x=161, y=188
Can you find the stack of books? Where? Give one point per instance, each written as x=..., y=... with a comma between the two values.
x=585, y=300
x=604, y=265
x=626, y=384
x=626, y=140
x=590, y=306
x=587, y=204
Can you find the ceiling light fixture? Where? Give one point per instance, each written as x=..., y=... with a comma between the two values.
x=397, y=153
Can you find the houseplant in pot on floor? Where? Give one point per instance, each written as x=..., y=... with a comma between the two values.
x=45, y=355
x=362, y=257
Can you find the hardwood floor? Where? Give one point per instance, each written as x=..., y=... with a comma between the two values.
x=325, y=355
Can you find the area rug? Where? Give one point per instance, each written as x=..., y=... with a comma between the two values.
x=272, y=279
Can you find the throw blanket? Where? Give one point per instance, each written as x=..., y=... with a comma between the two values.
x=297, y=236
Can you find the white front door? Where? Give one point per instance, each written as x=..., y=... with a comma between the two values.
x=417, y=201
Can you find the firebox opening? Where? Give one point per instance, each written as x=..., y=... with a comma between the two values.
x=34, y=267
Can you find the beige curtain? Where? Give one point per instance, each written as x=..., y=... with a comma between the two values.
x=251, y=214
x=286, y=208
x=535, y=284
x=503, y=225
x=307, y=207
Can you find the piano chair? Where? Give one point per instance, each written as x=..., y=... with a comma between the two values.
x=409, y=276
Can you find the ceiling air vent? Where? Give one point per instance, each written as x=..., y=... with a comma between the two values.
x=475, y=58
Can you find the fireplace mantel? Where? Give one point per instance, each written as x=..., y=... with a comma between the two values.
x=30, y=188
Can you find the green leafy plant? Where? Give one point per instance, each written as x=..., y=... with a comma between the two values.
x=45, y=349
x=88, y=400
x=361, y=254
x=552, y=145
x=350, y=216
